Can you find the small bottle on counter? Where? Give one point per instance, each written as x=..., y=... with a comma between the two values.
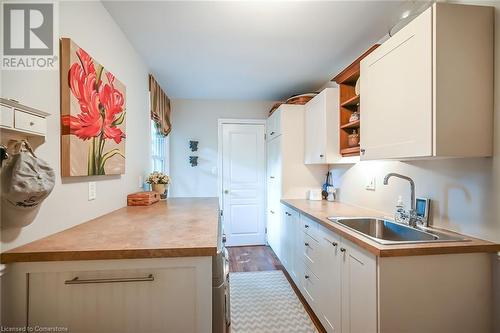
x=400, y=208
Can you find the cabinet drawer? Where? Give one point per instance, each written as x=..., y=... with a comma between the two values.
x=153, y=300
x=311, y=253
x=310, y=288
x=310, y=227
x=28, y=122
x=6, y=116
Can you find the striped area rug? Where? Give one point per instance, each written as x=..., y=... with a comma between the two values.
x=264, y=302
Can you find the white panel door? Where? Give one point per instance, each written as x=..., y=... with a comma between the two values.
x=243, y=183
x=396, y=94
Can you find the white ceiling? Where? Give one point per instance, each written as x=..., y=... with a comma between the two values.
x=251, y=50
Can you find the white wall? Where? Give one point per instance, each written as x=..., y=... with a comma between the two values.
x=91, y=27
x=198, y=120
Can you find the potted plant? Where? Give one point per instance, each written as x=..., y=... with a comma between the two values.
x=159, y=183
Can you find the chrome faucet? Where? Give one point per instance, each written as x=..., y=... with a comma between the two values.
x=411, y=216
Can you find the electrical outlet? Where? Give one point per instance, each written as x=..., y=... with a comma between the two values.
x=370, y=183
x=92, y=191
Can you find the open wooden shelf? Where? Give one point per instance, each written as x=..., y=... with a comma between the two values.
x=354, y=124
x=350, y=151
x=349, y=102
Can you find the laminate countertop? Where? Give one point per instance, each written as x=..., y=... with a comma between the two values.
x=321, y=210
x=177, y=227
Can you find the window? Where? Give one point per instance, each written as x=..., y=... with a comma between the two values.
x=159, y=150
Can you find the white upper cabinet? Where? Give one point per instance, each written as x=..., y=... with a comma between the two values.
x=428, y=84
x=322, y=128
x=274, y=125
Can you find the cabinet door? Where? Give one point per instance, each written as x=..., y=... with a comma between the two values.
x=285, y=238
x=396, y=94
x=153, y=300
x=274, y=194
x=330, y=277
x=359, y=289
x=274, y=125
x=294, y=222
x=315, y=131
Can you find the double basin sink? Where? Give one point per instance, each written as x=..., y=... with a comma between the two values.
x=389, y=233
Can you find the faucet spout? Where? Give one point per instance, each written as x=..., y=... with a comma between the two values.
x=412, y=193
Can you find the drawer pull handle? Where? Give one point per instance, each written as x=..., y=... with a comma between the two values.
x=342, y=249
x=306, y=226
x=288, y=214
x=334, y=243
x=32, y=123
x=77, y=280
x=321, y=155
x=306, y=276
x=272, y=177
x=306, y=244
x=272, y=133
x=271, y=211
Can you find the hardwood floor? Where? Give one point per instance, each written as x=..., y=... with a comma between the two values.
x=263, y=258
x=252, y=259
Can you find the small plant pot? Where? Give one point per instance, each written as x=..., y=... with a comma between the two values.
x=161, y=189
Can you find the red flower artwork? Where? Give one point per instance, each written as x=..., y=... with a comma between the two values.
x=101, y=110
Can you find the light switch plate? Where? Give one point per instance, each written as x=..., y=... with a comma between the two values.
x=370, y=184
x=92, y=191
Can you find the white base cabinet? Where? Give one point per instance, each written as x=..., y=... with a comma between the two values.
x=353, y=291
x=161, y=295
x=336, y=277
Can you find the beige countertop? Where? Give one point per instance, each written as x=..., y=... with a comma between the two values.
x=177, y=227
x=321, y=210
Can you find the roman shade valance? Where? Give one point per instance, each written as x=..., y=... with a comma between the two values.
x=160, y=107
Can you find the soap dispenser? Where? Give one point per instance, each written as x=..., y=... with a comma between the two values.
x=400, y=208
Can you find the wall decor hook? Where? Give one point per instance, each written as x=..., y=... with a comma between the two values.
x=193, y=160
x=193, y=145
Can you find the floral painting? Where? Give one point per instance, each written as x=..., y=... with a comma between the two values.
x=92, y=116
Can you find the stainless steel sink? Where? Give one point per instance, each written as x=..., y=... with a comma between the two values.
x=389, y=232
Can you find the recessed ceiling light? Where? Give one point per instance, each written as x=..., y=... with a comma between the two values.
x=405, y=14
